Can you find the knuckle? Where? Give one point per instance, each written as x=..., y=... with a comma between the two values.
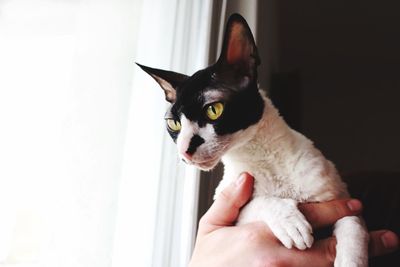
x=331, y=250
x=225, y=195
x=252, y=235
x=338, y=209
x=230, y=198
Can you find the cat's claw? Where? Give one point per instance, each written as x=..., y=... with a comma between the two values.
x=293, y=231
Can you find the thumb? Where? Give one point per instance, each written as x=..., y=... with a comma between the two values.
x=322, y=253
x=225, y=209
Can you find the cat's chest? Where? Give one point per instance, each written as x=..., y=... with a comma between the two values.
x=271, y=178
x=284, y=164
x=301, y=176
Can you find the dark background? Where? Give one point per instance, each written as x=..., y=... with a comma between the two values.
x=336, y=78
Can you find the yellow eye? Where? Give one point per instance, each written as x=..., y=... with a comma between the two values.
x=215, y=110
x=174, y=125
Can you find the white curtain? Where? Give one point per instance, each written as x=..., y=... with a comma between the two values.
x=87, y=175
x=172, y=36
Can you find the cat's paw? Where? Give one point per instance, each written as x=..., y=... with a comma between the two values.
x=286, y=222
x=291, y=227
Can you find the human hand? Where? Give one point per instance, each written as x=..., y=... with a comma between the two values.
x=220, y=243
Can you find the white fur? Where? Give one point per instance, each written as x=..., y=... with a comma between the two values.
x=288, y=169
x=352, y=242
x=189, y=129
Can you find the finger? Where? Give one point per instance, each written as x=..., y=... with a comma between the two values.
x=322, y=253
x=382, y=242
x=225, y=209
x=326, y=213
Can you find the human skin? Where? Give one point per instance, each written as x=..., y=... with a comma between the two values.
x=220, y=243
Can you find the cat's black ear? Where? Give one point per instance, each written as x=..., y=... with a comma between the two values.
x=168, y=80
x=239, y=51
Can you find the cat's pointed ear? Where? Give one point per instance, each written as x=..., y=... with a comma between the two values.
x=239, y=51
x=168, y=80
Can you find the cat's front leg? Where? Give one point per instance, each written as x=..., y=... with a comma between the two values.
x=352, y=242
x=283, y=218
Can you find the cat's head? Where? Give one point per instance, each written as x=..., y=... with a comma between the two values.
x=212, y=110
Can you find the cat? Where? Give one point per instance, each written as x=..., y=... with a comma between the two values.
x=220, y=114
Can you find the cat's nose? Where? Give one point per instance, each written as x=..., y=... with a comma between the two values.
x=187, y=157
x=195, y=142
x=188, y=152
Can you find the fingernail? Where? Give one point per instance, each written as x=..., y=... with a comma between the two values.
x=389, y=240
x=354, y=205
x=240, y=180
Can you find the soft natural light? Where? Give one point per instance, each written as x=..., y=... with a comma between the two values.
x=88, y=177
x=66, y=72
x=166, y=237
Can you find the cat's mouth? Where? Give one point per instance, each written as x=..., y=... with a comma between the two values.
x=206, y=160
x=207, y=164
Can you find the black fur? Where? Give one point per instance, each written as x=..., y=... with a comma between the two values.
x=195, y=142
x=234, y=74
x=243, y=106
